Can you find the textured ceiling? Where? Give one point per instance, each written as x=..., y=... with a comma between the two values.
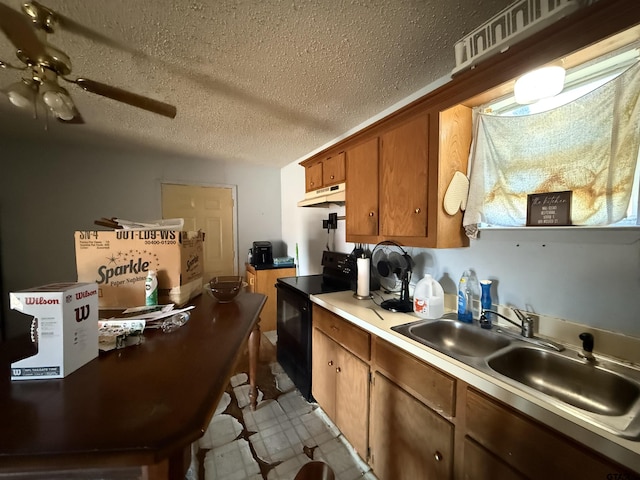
x=253, y=81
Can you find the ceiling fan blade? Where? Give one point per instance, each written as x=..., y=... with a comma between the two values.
x=20, y=32
x=4, y=64
x=72, y=26
x=124, y=96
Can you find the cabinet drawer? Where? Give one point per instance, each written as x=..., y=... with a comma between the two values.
x=428, y=384
x=349, y=336
x=522, y=443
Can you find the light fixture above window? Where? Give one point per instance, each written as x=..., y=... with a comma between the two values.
x=537, y=84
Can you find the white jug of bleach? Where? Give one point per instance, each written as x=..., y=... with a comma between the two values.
x=428, y=298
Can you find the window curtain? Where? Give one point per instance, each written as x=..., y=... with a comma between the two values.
x=588, y=146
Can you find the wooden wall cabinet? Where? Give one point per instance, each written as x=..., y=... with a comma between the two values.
x=397, y=180
x=362, y=213
x=341, y=375
x=264, y=281
x=404, y=179
x=324, y=171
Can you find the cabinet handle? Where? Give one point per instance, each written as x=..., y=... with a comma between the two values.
x=371, y=214
x=251, y=281
x=334, y=328
x=417, y=210
x=438, y=456
x=330, y=363
x=338, y=369
x=312, y=184
x=332, y=177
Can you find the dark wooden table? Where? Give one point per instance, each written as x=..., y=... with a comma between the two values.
x=139, y=407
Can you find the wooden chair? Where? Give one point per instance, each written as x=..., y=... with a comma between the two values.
x=315, y=471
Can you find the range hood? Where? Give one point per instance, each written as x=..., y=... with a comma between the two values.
x=323, y=197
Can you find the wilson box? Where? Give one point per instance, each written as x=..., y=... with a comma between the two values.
x=118, y=261
x=64, y=326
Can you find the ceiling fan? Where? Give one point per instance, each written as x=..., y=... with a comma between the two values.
x=45, y=65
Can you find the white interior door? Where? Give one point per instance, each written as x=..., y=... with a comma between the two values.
x=210, y=209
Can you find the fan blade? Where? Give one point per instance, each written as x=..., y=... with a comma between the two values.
x=129, y=98
x=19, y=31
x=74, y=27
x=8, y=65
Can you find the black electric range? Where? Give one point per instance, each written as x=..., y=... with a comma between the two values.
x=294, y=317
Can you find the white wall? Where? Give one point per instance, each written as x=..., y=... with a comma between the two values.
x=303, y=226
x=52, y=186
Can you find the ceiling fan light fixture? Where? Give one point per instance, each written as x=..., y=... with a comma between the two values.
x=23, y=93
x=537, y=84
x=58, y=101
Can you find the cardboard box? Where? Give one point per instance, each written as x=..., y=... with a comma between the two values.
x=118, y=261
x=64, y=327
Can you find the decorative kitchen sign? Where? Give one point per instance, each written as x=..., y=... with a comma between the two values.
x=551, y=209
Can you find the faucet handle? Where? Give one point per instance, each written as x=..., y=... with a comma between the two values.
x=587, y=341
x=527, y=323
x=587, y=346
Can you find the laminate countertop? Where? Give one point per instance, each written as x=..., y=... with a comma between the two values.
x=360, y=313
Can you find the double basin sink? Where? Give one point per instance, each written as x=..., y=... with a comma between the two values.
x=604, y=393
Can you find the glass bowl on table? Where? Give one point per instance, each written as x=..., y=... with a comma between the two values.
x=225, y=288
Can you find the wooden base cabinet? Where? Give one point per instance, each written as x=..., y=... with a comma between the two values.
x=515, y=443
x=264, y=281
x=341, y=378
x=408, y=439
x=416, y=421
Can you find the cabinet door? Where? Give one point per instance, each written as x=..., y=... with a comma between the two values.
x=403, y=179
x=479, y=464
x=266, y=284
x=323, y=372
x=362, y=193
x=313, y=177
x=352, y=399
x=408, y=439
x=333, y=169
x=251, y=282
x=522, y=442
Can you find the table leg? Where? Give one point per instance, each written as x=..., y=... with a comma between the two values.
x=254, y=353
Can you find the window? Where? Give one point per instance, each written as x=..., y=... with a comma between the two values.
x=551, y=146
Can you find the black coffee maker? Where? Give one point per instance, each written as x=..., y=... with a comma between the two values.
x=262, y=254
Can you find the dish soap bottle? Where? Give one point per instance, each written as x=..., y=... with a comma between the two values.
x=465, y=298
x=428, y=298
x=485, y=300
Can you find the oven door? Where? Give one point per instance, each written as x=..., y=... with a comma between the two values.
x=294, y=336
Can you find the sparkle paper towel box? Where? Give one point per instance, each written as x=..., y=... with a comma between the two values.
x=118, y=261
x=64, y=326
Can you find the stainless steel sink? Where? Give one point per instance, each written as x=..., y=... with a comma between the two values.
x=573, y=381
x=605, y=393
x=454, y=338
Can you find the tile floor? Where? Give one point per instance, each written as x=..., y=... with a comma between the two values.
x=274, y=441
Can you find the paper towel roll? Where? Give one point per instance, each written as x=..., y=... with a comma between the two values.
x=363, y=265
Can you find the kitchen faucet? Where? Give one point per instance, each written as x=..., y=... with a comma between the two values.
x=526, y=322
x=525, y=326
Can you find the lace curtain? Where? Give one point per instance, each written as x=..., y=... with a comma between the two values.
x=588, y=146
